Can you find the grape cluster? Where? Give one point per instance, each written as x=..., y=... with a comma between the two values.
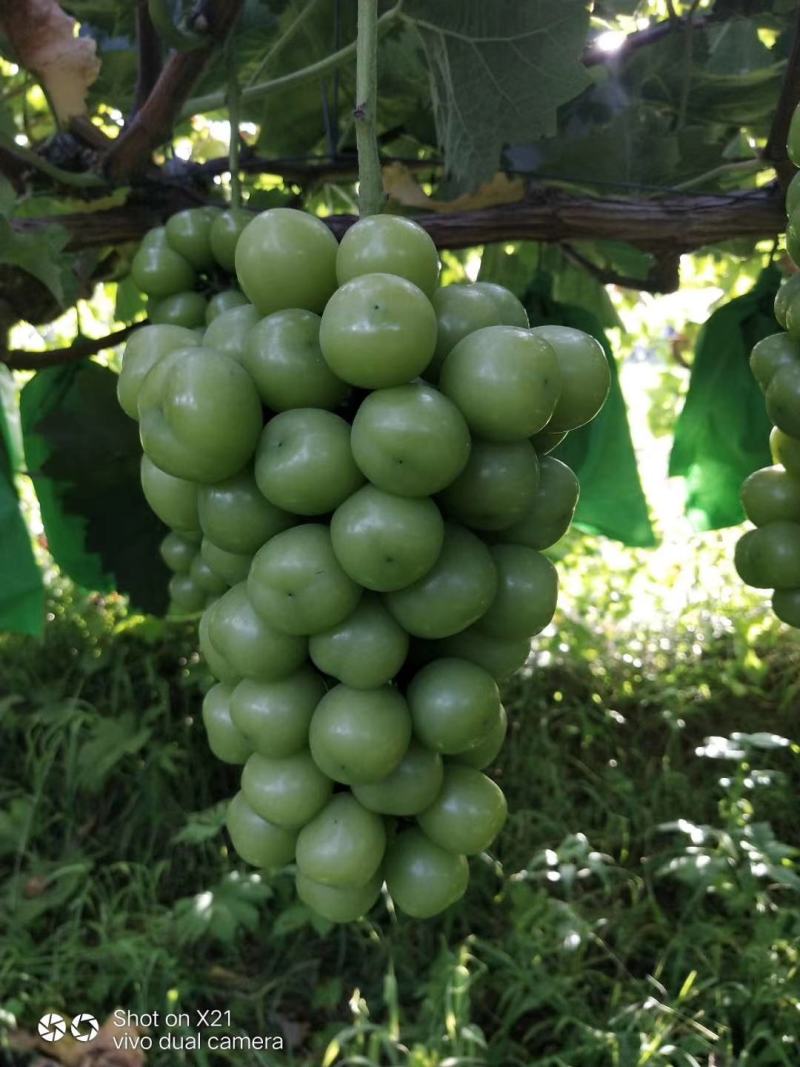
x=355, y=467
x=186, y=267
x=768, y=557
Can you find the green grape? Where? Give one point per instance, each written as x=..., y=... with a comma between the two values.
x=297, y=584
x=228, y=332
x=236, y=517
x=343, y=845
x=468, y=813
x=550, y=513
x=454, y=704
x=455, y=592
x=186, y=596
x=365, y=650
x=257, y=841
x=288, y=791
x=388, y=244
x=527, y=591
x=275, y=716
x=304, y=462
x=224, y=301
x=178, y=552
x=338, y=904
x=359, y=736
x=422, y=878
x=181, y=309
x=386, y=542
x=251, y=647
x=496, y=488
x=487, y=750
x=410, y=788
x=224, y=739
x=158, y=270
x=229, y=567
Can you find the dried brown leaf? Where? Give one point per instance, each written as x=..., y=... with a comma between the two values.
x=402, y=187
x=44, y=41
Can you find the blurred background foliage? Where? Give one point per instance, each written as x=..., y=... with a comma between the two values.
x=627, y=107
x=642, y=906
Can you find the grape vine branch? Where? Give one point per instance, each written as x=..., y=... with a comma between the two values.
x=370, y=183
x=665, y=224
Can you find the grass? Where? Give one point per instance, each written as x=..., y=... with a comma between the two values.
x=642, y=906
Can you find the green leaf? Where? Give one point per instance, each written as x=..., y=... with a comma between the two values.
x=293, y=918
x=129, y=301
x=512, y=265
x=293, y=122
x=657, y=75
x=735, y=47
x=223, y=912
x=201, y=826
x=515, y=266
x=61, y=881
x=83, y=455
x=7, y=194
x=109, y=742
x=575, y=286
x=499, y=73
x=21, y=588
x=38, y=253
x=634, y=148
x=722, y=432
x=16, y=818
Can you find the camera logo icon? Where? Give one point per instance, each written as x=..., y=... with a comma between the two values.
x=84, y=1027
x=52, y=1027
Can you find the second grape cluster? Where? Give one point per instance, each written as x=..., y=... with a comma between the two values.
x=768, y=557
x=355, y=465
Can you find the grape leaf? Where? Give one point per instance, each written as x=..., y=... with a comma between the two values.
x=499, y=72
x=38, y=254
x=309, y=117
x=657, y=75
x=83, y=455
x=722, y=432
x=635, y=148
x=735, y=47
x=21, y=588
x=571, y=284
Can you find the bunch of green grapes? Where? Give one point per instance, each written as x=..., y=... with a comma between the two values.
x=768, y=557
x=363, y=459
x=186, y=270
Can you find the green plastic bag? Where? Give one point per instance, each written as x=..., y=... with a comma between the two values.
x=722, y=432
x=21, y=588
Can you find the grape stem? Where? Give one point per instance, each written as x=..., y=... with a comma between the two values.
x=370, y=181
x=233, y=119
x=215, y=100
